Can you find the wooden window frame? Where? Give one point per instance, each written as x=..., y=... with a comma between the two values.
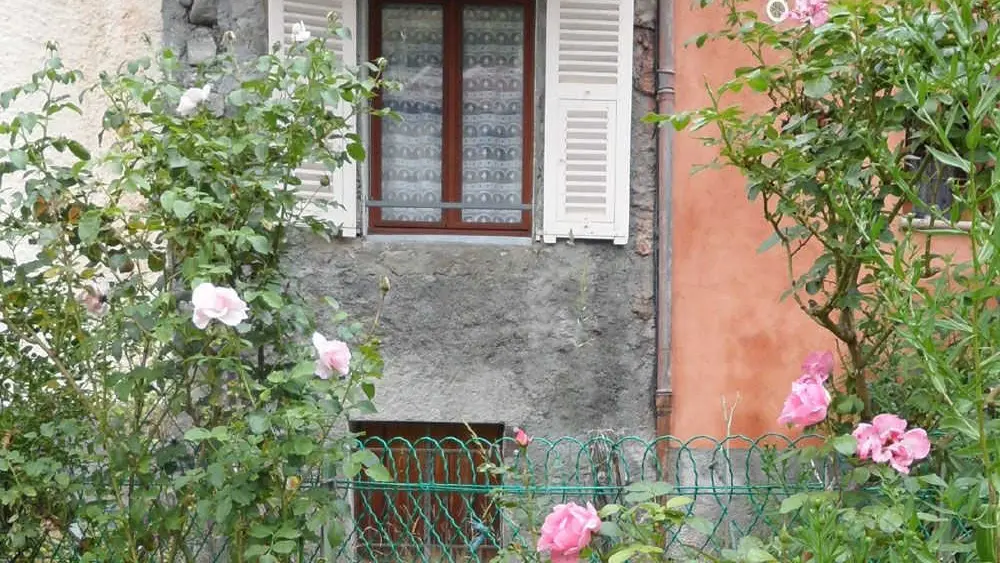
x=451, y=122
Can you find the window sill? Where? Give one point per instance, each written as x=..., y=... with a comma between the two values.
x=451, y=239
x=923, y=224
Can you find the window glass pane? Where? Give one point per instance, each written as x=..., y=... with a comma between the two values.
x=492, y=110
x=412, y=41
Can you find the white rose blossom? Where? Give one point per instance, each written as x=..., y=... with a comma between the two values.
x=300, y=33
x=192, y=98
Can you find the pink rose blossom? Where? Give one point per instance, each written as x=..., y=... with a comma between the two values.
x=331, y=355
x=806, y=404
x=567, y=530
x=872, y=438
x=818, y=366
x=218, y=303
x=94, y=299
x=886, y=440
x=815, y=12
x=912, y=446
x=869, y=440
x=522, y=438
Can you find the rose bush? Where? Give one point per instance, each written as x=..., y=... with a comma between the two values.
x=880, y=115
x=158, y=388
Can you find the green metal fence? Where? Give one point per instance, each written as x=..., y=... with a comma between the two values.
x=440, y=508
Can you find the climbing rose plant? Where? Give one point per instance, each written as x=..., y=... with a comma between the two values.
x=880, y=116
x=164, y=386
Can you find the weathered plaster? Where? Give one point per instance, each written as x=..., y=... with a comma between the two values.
x=731, y=336
x=93, y=36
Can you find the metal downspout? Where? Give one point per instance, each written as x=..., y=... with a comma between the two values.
x=663, y=264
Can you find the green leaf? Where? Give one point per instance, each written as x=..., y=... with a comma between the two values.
x=223, y=509
x=303, y=446
x=628, y=551
x=90, y=226
x=610, y=530
x=818, y=87
x=642, y=492
x=197, y=435
x=155, y=262
x=258, y=423
x=934, y=480
x=18, y=158
x=238, y=98
x=182, y=209
x=167, y=200
x=356, y=151
x=367, y=458
x=950, y=159
x=267, y=558
x=255, y=551
x=609, y=510
x=260, y=244
x=287, y=533
x=678, y=502
x=792, y=503
x=772, y=240
x=365, y=407
x=260, y=531
x=283, y=547
x=845, y=444
x=758, y=82
x=927, y=517
x=260, y=150
x=78, y=150
x=272, y=299
x=378, y=473
x=985, y=544
x=861, y=475
x=890, y=521
x=758, y=555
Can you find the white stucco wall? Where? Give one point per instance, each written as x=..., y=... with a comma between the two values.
x=93, y=35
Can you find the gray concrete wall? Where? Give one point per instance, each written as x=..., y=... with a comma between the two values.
x=558, y=338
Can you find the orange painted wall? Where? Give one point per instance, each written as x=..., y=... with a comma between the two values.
x=732, y=338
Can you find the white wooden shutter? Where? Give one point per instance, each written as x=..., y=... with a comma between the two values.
x=282, y=15
x=588, y=115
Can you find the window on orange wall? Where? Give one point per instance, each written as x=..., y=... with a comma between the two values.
x=460, y=157
x=402, y=522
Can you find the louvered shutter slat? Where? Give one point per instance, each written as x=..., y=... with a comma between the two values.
x=282, y=15
x=587, y=119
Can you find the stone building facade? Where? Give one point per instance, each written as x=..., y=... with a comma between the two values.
x=501, y=330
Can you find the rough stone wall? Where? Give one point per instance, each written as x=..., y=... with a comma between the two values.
x=556, y=338
x=194, y=28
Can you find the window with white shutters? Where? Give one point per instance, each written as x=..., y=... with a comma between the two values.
x=461, y=157
x=588, y=86
x=342, y=189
